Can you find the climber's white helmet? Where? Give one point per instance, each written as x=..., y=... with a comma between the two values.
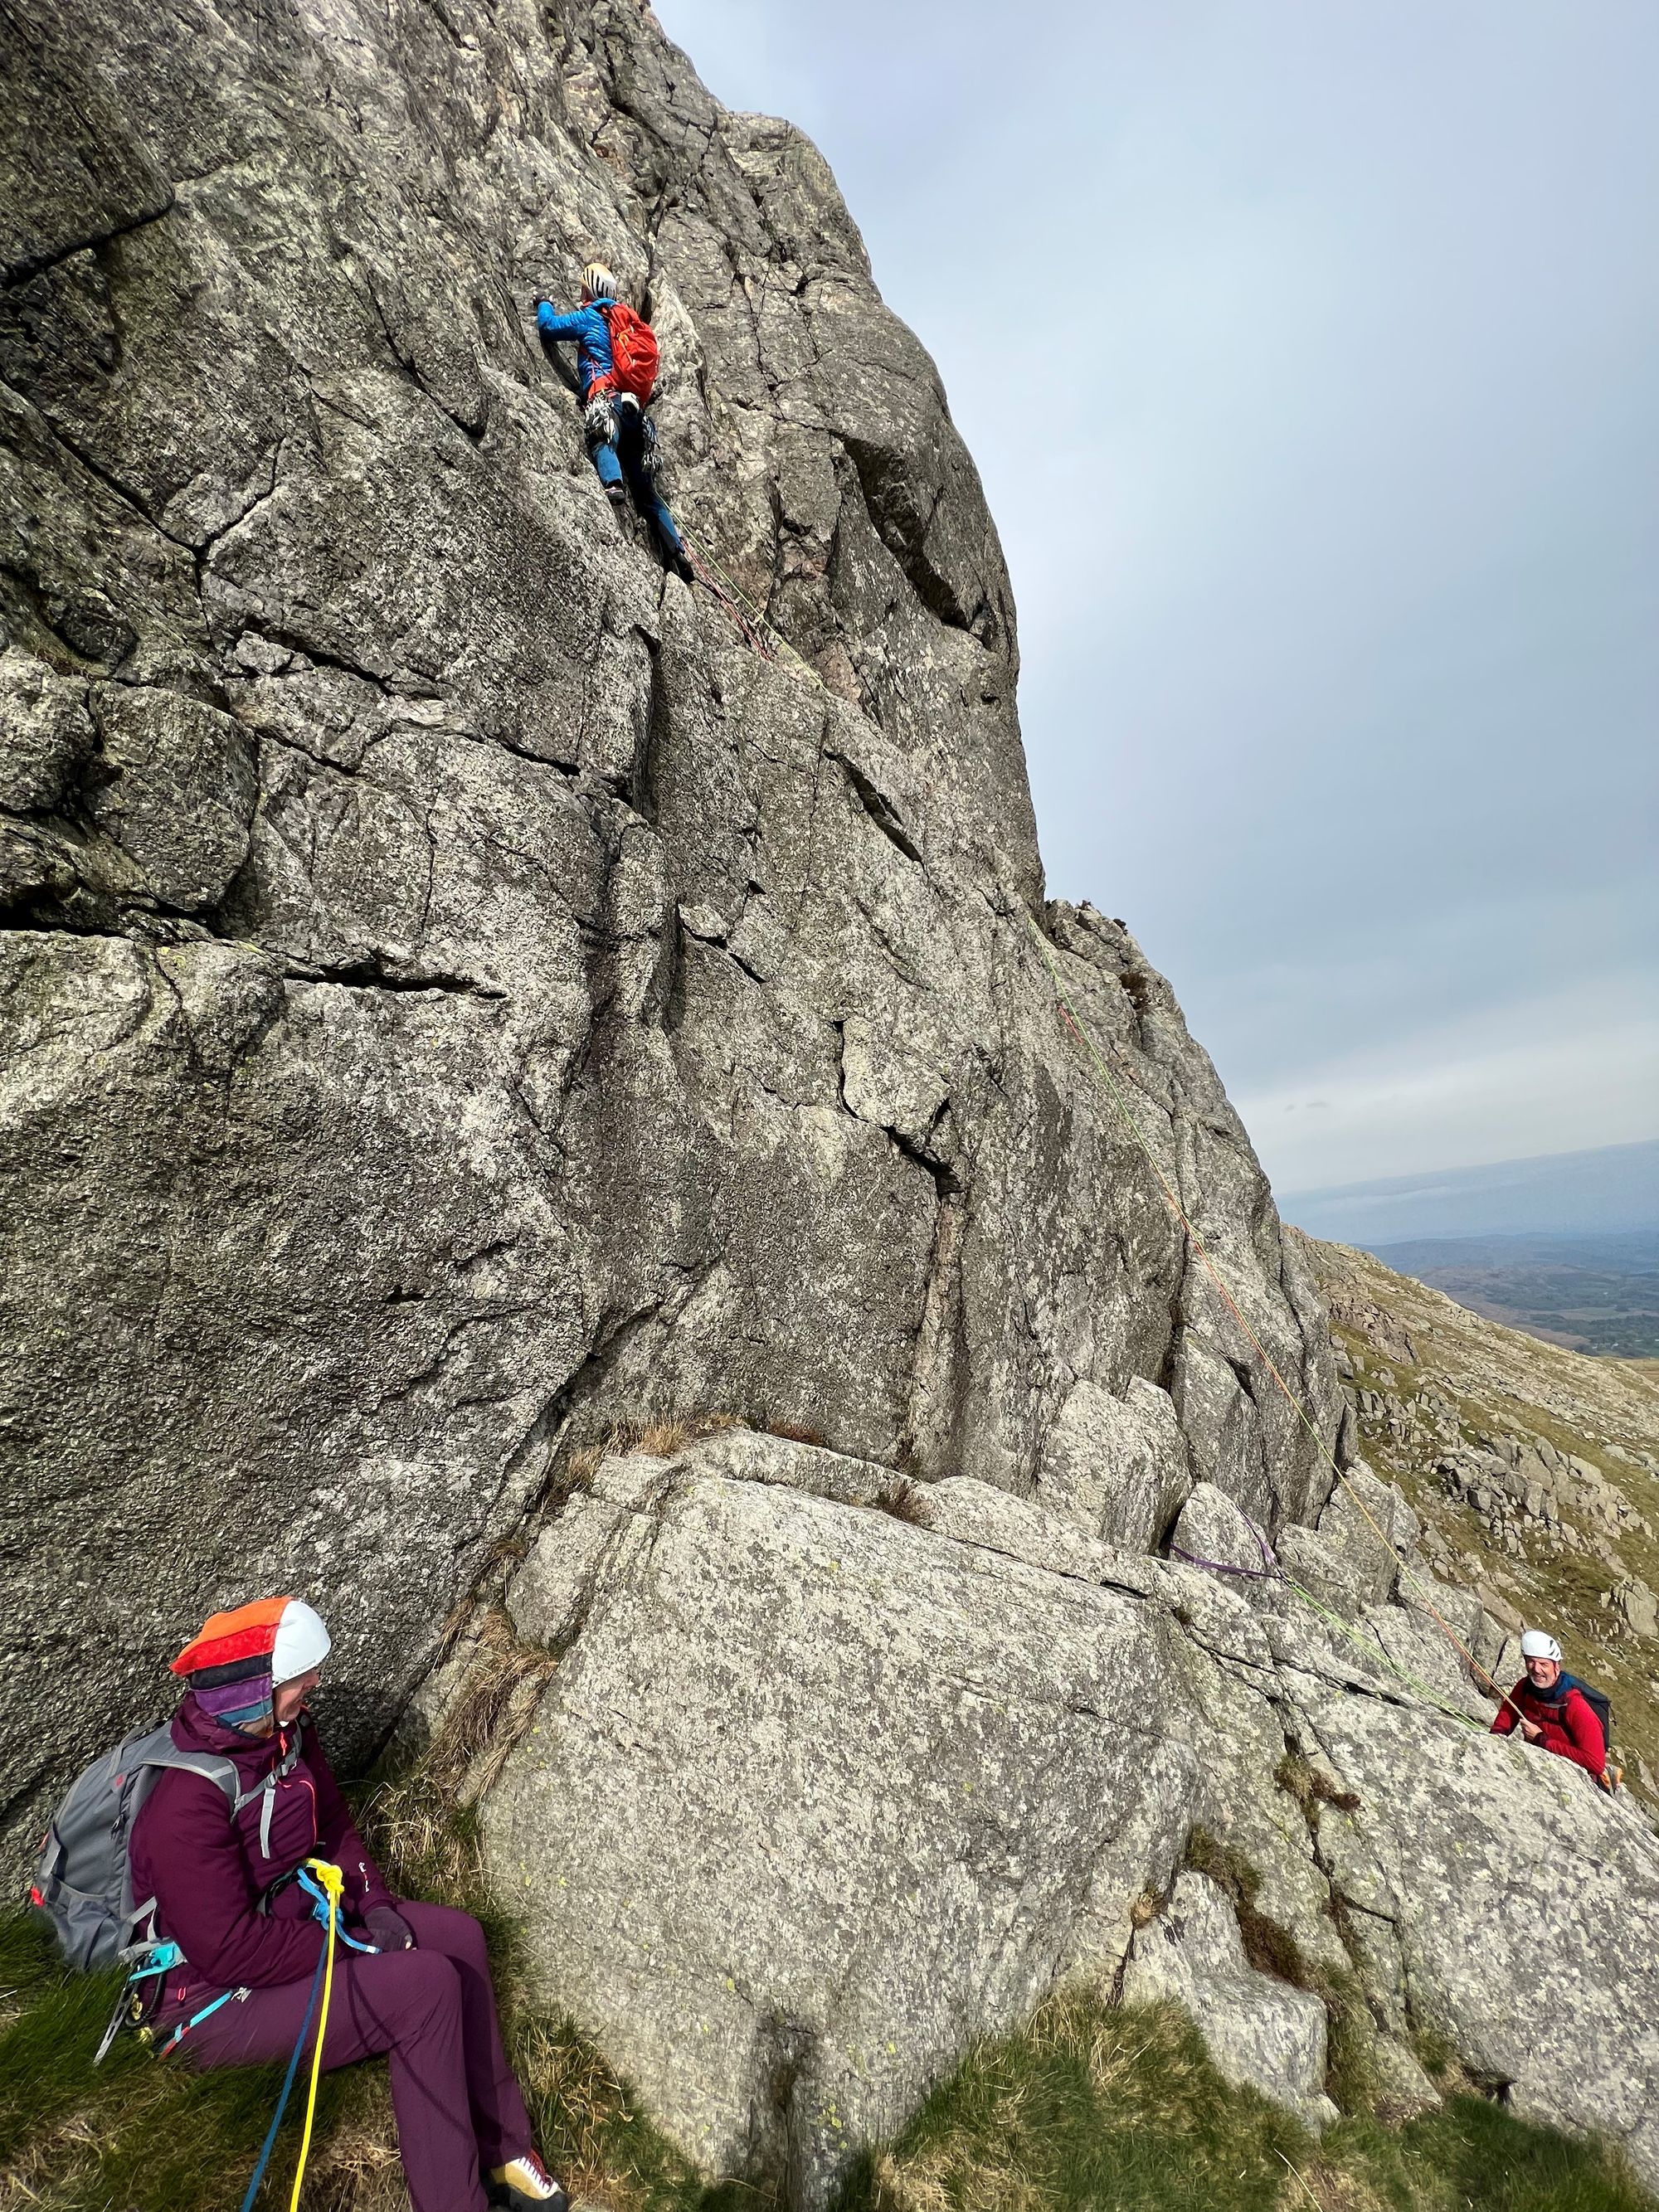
x=1534, y=1645
x=302, y=1643
x=598, y=283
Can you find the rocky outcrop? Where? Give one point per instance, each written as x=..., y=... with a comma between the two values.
x=1263, y=2033
x=1532, y=1473
x=460, y=990
x=828, y=1782
x=455, y=990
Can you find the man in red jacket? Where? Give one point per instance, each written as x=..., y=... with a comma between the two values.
x=1553, y=1710
x=417, y=1987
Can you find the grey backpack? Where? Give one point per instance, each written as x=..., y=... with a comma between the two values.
x=83, y=1883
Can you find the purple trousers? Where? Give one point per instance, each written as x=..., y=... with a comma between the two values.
x=432, y=2011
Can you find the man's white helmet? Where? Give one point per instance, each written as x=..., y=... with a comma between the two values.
x=1534, y=1645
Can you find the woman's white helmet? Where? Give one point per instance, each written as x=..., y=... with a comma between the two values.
x=1535, y=1644
x=302, y=1643
x=598, y=283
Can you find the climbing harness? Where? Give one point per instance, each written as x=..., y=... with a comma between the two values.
x=325, y=1893
x=324, y=1884
x=1173, y=1201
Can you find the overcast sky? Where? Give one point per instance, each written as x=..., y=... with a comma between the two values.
x=1334, y=523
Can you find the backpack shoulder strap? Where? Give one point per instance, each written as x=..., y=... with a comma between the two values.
x=280, y=1773
x=221, y=1772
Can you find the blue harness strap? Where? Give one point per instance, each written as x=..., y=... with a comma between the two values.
x=195, y=2020
x=321, y=1910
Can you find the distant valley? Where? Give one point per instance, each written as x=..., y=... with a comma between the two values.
x=1596, y=1293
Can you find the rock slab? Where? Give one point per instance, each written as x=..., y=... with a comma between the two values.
x=818, y=1795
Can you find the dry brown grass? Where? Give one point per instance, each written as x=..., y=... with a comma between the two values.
x=356, y=2168
x=653, y=1439
x=947, y=2178
x=557, y=2067
x=57, y=2162
x=412, y=1821
x=1317, y=2185
x=906, y=1501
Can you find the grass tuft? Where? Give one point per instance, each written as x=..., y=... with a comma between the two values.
x=1092, y=2109
x=907, y=1501
x=654, y=1439
x=1311, y=1786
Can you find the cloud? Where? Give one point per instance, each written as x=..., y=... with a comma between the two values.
x=1454, y=1095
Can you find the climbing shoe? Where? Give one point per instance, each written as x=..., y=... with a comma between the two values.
x=617, y=493
x=679, y=562
x=526, y=2181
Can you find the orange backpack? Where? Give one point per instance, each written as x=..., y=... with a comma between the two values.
x=634, y=352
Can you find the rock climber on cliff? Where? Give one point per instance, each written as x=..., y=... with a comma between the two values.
x=415, y=1983
x=1554, y=1709
x=615, y=376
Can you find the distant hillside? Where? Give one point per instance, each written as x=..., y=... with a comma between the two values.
x=1535, y=1468
x=1612, y=1190
x=1596, y=1294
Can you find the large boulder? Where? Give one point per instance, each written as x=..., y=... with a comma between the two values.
x=1502, y=1900
x=815, y=1798
x=821, y=1792
x=1263, y=2032
x=1119, y=1467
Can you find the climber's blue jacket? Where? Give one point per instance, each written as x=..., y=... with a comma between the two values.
x=592, y=333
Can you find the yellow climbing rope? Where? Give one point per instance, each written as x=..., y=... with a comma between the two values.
x=1295, y=1403
x=332, y=1882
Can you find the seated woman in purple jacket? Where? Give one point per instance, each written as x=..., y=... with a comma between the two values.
x=223, y=1895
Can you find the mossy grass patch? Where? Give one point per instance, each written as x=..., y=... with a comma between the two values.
x=1091, y=2108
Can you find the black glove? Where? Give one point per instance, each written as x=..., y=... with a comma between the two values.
x=388, y=1928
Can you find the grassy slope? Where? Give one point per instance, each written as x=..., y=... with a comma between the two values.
x=1404, y=1338
x=1090, y=2109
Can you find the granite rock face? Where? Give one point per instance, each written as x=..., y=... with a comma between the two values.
x=458, y=993
x=820, y=1794
x=454, y=992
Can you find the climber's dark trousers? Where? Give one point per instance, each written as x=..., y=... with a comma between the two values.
x=433, y=2009
x=623, y=461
